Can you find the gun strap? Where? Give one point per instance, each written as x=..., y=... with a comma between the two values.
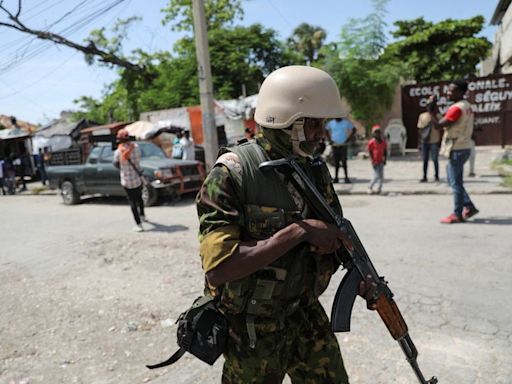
x=139, y=172
x=251, y=331
x=171, y=360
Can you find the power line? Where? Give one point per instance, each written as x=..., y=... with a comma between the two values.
x=280, y=13
x=41, y=78
x=27, y=55
x=22, y=95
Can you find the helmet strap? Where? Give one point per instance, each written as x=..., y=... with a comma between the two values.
x=298, y=135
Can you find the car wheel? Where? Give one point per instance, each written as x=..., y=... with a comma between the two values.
x=69, y=194
x=149, y=195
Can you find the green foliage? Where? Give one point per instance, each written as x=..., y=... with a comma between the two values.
x=443, y=51
x=307, y=40
x=113, y=44
x=239, y=55
x=244, y=55
x=368, y=85
x=218, y=13
x=366, y=78
x=112, y=107
x=365, y=38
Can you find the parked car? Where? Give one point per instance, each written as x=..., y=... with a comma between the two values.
x=167, y=177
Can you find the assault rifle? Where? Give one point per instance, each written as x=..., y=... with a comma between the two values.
x=359, y=268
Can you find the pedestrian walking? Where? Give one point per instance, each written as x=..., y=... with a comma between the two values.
x=2, y=177
x=456, y=145
x=177, y=149
x=19, y=168
x=340, y=132
x=472, y=158
x=127, y=159
x=10, y=175
x=264, y=255
x=40, y=164
x=377, y=148
x=430, y=138
x=188, y=147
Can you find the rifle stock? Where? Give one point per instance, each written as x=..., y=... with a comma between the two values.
x=359, y=267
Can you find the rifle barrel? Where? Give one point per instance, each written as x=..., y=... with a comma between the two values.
x=411, y=354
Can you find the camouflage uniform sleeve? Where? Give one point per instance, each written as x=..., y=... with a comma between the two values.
x=220, y=217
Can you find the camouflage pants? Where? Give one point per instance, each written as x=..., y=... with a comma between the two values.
x=305, y=349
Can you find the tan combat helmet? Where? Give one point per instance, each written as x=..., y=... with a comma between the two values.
x=295, y=92
x=291, y=94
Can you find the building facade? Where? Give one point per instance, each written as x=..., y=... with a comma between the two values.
x=500, y=60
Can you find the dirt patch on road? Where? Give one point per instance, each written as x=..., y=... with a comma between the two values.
x=102, y=319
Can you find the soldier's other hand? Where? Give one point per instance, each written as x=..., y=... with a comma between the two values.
x=323, y=237
x=367, y=288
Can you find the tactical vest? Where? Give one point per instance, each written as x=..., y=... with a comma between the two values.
x=458, y=135
x=298, y=277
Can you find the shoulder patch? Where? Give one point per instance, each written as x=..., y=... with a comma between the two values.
x=231, y=161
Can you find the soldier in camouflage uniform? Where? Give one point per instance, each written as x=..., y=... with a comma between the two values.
x=263, y=253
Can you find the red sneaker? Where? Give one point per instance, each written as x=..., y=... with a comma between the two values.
x=469, y=212
x=451, y=219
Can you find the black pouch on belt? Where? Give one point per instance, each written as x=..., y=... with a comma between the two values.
x=202, y=331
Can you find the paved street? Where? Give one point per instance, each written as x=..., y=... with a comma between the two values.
x=86, y=301
x=402, y=175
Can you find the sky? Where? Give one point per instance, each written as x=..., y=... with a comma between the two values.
x=38, y=80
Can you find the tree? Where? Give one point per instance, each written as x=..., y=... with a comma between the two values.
x=307, y=40
x=240, y=56
x=91, y=50
x=365, y=38
x=442, y=51
x=219, y=14
x=366, y=78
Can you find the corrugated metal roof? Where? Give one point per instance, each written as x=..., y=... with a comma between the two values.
x=63, y=127
x=6, y=122
x=13, y=133
x=111, y=126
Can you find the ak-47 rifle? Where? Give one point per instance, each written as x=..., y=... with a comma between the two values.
x=359, y=268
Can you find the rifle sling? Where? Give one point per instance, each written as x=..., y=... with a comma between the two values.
x=171, y=360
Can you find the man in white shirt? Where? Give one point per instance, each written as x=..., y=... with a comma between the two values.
x=187, y=145
x=127, y=159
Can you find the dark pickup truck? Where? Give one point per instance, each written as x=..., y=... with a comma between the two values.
x=167, y=177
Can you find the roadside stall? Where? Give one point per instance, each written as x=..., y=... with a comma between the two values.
x=15, y=142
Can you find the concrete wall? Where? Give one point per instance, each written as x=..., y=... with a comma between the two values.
x=505, y=42
x=501, y=55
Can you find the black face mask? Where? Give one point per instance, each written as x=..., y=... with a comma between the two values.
x=279, y=140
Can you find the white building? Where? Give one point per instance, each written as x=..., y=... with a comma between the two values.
x=500, y=61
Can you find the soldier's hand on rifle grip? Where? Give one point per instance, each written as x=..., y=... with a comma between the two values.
x=367, y=288
x=323, y=237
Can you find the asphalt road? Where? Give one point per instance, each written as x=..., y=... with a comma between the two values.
x=85, y=300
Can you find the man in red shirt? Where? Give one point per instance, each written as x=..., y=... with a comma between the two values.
x=377, y=150
x=456, y=145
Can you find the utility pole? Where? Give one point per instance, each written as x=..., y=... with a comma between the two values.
x=211, y=143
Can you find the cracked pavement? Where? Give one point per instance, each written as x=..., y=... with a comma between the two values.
x=86, y=301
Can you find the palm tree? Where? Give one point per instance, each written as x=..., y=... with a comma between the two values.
x=307, y=39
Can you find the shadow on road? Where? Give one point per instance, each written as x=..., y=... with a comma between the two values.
x=184, y=200
x=492, y=221
x=104, y=200
x=353, y=180
x=156, y=227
